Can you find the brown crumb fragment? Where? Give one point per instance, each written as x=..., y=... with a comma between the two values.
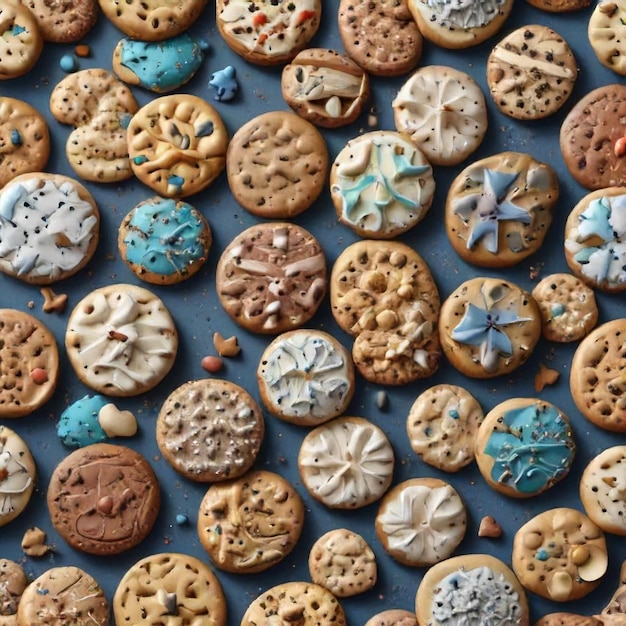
x=545, y=376
x=34, y=542
x=489, y=528
x=53, y=303
x=226, y=347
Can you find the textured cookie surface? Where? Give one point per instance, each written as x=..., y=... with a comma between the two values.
x=393, y=617
x=13, y=581
x=607, y=34
x=21, y=42
x=17, y=475
x=64, y=21
x=560, y=6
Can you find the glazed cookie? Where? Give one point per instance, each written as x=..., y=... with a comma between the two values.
x=421, y=521
x=603, y=490
x=49, y=228
x=560, y=6
x=382, y=37
x=568, y=307
x=499, y=209
x=63, y=21
x=306, y=377
x=342, y=562
x=560, y=555
x=489, y=327
x=347, y=463
x=607, y=34
x=381, y=184
x=103, y=499
x=17, y=475
x=210, y=430
x=393, y=617
x=276, y=165
x=531, y=73
x=442, y=426
x=13, y=581
x=383, y=294
x=164, y=241
x=121, y=340
x=29, y=364
x=524, y=446
x=169, y=588
x=248, y=524
x=272, y=277
x=21, y=41
x=267, y=32
x=24, y=139
x=325, y=87
x=177, y=145
x=443, y=110
x=442, y=596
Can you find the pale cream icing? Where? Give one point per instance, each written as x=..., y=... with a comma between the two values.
x=16, y=479
x=464, y=13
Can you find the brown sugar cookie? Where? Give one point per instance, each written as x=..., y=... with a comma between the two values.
x=248, y=524
x=13, y=581
x=277, y=165
x=488, y=327
x=63, y=21
x=383, y=294
x=499, y=209
x=568, y=619
x=560, y=6
x=21, y=42
x=393, y=617
x=18, y=474
x=560, y=555
x=607, y=34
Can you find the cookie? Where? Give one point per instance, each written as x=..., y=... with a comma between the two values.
x=382, y=37
x=607, y=33
x=567, y=619
x=560, y=6
x=17, y=475
x=24, y=137
x=64, y=22
x=560, y=555
x=251, y=523
x=443, y=110
x=21, y=42
x=121, y=340
x=276, y=165
x=442, y=596
x=272, y=277
x=164, y=241
x=13, y=581
x=568, y=307
x=488, y=327
x=169, y=587
x=29, y=364
x=210, y=430
x=177, y=145
x=442, y=426
x=346, y=463
x=50, y=229
x=393, y=617
x=531, y=72
x=602, y=490
x=266, y=32
x=524, y=447
x=499, y=209
x=421, y=521
x=617, y=604
x=342, y=562
x=103, y=499
x=381, y=184
x=383, y=294
x=594, y=239
x=306, y=377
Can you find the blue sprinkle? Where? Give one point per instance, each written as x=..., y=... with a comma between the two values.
x=17, y=30
x=140, y=159
x=175, y=180
x=125, y=120
x=454, y=414
x=68, y=63
x=204, y=45
x=542, y=555
x=42, y=592
x=16, y=138
x=181, y=519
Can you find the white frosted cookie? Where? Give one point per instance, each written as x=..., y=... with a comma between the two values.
x=421, y=521
x=607, y=34
x=347, y=463
x=443, y=110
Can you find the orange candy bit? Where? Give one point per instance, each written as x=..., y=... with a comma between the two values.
x=620, y=147
x=259, y=19
x=304, y=16
x=39, y=376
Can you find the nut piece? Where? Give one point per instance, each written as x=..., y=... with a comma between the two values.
x=34, y=542
x=489, y=528
x=53, y=303
x=226, y=347
x=545, y=376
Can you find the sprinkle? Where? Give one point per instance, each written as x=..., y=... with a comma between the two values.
x=454, y=414
x=39, y=376
x=82, y=50
x=181, y=519
x=42, y=592
x=125, y=120
x=382, y=400
x=542, y=555
x=16, y=138
x=140, y=159
x=212, y=364
x=68, y=63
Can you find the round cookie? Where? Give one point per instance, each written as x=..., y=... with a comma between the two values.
x=560, y=555
x=499, y=209
x=210, y=430
x=442, y=426
x=488, y=327
x=342, y=562
x=560, y=6
x=531, y=72
x=177, y=145
x=276, y=165
x=568, y=307
x=169, y=588
x=393, y=617
x=249, y=524
x=272, y=277
x=64, y=21
x=442, y=596
x=383, y=294
x=164, y=241
x=603, y=490
x=524, y=447
x=24, y=139
x=568, y=619
x=607, y=34
x=381, y=184
x=103, y=499
x=421, y=521
x=381, y=37
x=18, y=474
x=346, y=463
x=443, y=110
x=21, y=42
x=306, y=377
x=267, y=32
x=13, y=581
x=49, y=228
x=121, y=340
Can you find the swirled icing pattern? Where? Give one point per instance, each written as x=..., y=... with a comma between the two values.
x=464, y=13
x=15, y=477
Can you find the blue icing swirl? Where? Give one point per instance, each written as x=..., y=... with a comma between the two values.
x=79, y=425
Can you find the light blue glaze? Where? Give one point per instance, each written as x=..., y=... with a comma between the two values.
x=79, y=424
x=16, y=29
x=225, y=83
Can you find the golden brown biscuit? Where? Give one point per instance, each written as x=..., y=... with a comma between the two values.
x=64, y=21
x=607, y=34
x=393, y=617
x=21, y=42
x=13, y=581
x=560, y=6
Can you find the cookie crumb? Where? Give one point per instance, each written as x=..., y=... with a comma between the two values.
x=545, y=376
x=226, y=347
x=34, y=542
x=382, y=400
x=30, y=304
x=534, y=272
x=212, y=364
x=53, y=303
x=82, y=50
x=489, y=528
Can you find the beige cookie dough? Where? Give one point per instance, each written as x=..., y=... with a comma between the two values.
x=607, y=34
x=13, y=581
x=21, y=41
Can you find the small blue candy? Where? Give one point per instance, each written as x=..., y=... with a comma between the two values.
x=225, y=83
x=68, y=63
x=181, y=519
x=16, y=138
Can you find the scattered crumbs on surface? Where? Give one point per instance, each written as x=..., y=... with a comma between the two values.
x=535, y=271
x=212, y=364
x=82, y=50
x=156, y=458
x=382, y=400
x=69, y=63
x=53, y=303
x=181, y=519
x=167, y=540
x=31, y=304
x=226, y=347
x=282, y=460
x=545, y=376
x=372, y=120
x=489, y=528
x=34, y=542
